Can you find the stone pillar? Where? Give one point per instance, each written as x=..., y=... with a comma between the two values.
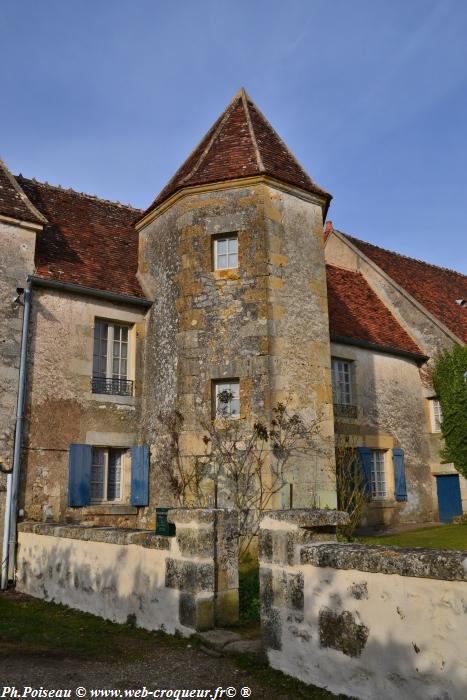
x=208, y=578
x=282, y=535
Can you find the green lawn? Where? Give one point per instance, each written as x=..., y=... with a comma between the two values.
x=442, y=537
x=34, y=626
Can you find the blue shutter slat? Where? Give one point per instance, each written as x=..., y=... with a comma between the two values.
x=140, y=475
x=364, y=457
x=399, y=474
x=79, y=475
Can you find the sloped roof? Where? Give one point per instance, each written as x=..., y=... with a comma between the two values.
x=241, y=143
x=88, y=241
x=357, y=313
x=436, y=288
x=13, y=201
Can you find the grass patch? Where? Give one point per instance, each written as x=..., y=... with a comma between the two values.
x=248, y=592
x=34, y=626
x=441, y=537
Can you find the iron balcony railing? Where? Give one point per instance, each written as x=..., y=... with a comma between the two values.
x=117, y=387
x=342, y=410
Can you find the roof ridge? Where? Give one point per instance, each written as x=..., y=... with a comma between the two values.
x=290, y=153
x=223, y=118
x=402, y=255
x=80, y=194
x=22, y=195
x=246, y=107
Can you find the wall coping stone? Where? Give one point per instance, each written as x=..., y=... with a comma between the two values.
x=309, y=517
x=446, y=565
x=198, y=515
x=110, y=535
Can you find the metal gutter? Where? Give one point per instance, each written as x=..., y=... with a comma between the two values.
x=416, y=357
x=89, y=291
x=11, y=506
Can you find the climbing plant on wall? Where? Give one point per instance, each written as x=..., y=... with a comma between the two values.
x=450, y=383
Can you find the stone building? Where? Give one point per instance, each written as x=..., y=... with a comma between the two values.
x=226, y=281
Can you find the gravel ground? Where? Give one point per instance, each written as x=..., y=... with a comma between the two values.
x=187, y=667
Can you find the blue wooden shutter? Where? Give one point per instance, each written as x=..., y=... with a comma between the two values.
x=364, y=457
x=79, y=475
x=399, y=474
x=140, y=475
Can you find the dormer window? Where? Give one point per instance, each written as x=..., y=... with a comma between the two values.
x=225, y=252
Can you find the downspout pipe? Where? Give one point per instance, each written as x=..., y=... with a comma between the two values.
x=11, y=509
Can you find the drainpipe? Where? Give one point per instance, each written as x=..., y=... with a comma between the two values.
x=11, y=506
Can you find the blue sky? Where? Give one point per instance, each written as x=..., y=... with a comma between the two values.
x=110, y=96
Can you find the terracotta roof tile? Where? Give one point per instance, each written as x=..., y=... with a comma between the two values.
x=357, y=313
x=436, y=288
x=13, y=201
x=88, y=241
x=241, y=143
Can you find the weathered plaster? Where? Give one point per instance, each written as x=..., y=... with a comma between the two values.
x=390, y=402
x=368, y=622
x=60, y=408
x=17, y=246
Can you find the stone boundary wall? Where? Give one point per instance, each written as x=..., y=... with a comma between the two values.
x=180, y=584
x=366, y=621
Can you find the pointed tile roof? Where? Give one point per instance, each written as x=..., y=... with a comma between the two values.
x=241, y=143
x=14, y=203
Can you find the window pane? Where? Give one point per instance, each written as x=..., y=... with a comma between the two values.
x=232, y=406
x=222, y=246
x=233, y=261
x=341, y=382
x=233, y=245
x=221, y=262
x=114, y=477
x=99, y=359
x=97, y=474
x=378, y=475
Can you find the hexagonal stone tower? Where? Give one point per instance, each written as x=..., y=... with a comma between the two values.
x=231, y=251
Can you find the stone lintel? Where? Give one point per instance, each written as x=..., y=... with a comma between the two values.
x=417, y=562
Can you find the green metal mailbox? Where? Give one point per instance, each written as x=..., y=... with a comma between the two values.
x=163, y=527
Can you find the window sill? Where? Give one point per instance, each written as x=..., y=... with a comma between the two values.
x=115, y=398
x=228, y=274
x=110, y=509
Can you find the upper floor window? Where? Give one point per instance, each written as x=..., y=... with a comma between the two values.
x=226, y=252
x=436, y=415
x=342, y=387
x=110, y=359
x=379, y=489
x=227, y=398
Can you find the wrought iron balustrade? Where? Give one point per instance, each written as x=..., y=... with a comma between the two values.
x=116, y=387
x=342, y=410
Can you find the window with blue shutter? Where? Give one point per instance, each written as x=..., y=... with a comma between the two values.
x=139, y=475
x=364, y=457
x=399, y=474
x=79, y=475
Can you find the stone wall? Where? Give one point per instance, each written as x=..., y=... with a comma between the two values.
x=264, y=323
x=181, y=584
x=16, y=263
x=366, y=621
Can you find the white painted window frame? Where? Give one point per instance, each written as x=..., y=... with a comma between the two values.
x=233, y=386
x=339, y=367
x=123, y=458
x=228, y=238
x=436, y=414
x=379, y=458
x=111, y=326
